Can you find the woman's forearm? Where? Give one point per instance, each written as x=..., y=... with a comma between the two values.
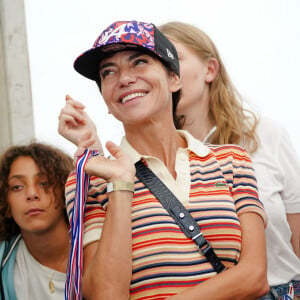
x=108, y=266
x=246, y=280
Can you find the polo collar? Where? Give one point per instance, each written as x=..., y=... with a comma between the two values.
x=193, y=145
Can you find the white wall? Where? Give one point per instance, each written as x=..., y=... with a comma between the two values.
x=258, y=41
x=16, y=116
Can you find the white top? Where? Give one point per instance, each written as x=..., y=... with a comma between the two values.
x=31, y=279
x=277, y=169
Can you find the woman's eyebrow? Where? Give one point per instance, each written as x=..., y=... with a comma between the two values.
x=131, y=57
x=105, y=65
x=135, y=55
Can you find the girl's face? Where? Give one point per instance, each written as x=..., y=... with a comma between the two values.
x=34, y=205
x=137, y=87
x=194, y=75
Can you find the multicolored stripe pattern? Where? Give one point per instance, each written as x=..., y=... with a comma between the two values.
x=165, y=261
x=73, y=283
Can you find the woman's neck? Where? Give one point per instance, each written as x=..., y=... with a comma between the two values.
x=158, y=141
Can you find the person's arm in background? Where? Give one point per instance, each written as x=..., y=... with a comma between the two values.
x=290, y=168
x=294, y=221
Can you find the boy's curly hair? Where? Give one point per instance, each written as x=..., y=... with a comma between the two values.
x=51, y=161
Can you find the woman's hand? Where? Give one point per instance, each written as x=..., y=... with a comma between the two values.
x=74, y=123
x=120, y=168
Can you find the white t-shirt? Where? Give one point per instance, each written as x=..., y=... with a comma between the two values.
x=31, y=279
x=277, y=170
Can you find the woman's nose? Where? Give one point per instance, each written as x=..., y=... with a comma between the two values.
x=127, y=77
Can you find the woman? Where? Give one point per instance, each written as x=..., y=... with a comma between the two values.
x=132, y=247
x=33, y=222
x=209, y=101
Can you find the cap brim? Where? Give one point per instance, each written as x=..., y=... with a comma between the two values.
x=87, y=64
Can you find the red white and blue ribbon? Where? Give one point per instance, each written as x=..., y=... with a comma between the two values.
x=290, y=294
x=73, y=290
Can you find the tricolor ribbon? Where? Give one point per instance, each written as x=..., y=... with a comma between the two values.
x=73, y=290
x=290, y=294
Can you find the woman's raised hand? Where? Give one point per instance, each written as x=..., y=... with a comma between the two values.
x=74, y=123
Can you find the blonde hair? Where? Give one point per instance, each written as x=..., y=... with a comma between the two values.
x=235, y=124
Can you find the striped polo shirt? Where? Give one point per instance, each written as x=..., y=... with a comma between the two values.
x=215, y=183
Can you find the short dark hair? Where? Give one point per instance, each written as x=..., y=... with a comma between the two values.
x=52, y=161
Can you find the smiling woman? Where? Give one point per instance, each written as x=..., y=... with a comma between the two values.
x=255, y=54
x=137, y=70
x=33, y=224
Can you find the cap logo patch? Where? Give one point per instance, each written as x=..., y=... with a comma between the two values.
x=170, y=54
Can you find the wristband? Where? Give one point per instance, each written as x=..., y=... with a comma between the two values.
x=120, y=186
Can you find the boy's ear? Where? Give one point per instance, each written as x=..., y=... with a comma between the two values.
x=212, y=70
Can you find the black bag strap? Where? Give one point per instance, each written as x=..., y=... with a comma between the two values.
x=178, y=212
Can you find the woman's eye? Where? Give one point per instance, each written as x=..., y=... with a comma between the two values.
x=105, y=73
x=140, y=61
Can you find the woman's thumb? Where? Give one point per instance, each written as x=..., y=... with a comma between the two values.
x=113, y=149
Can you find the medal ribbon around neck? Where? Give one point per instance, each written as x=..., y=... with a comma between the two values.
x=73, y=289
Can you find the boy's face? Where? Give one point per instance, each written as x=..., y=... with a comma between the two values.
x=33, y=204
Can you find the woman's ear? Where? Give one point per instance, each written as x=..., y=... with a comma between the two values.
x=175, y=83
x=212, y=70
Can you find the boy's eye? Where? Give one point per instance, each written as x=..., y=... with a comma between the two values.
x=44, y=184
x=16, y=187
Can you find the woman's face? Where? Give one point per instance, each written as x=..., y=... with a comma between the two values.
x=194, y=78
x=137, y=87
x=34, y=205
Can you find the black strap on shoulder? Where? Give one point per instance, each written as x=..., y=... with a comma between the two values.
x=178, y=212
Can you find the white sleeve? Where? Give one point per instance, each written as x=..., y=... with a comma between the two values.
x=289, y=163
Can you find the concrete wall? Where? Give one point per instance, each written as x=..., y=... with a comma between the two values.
x=16, y=113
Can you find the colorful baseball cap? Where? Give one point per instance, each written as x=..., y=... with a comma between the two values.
x=124, y=35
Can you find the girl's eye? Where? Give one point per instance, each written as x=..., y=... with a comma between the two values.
x=16, y=187
x=105, y=73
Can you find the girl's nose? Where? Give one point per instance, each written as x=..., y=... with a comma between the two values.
x=32, y=193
